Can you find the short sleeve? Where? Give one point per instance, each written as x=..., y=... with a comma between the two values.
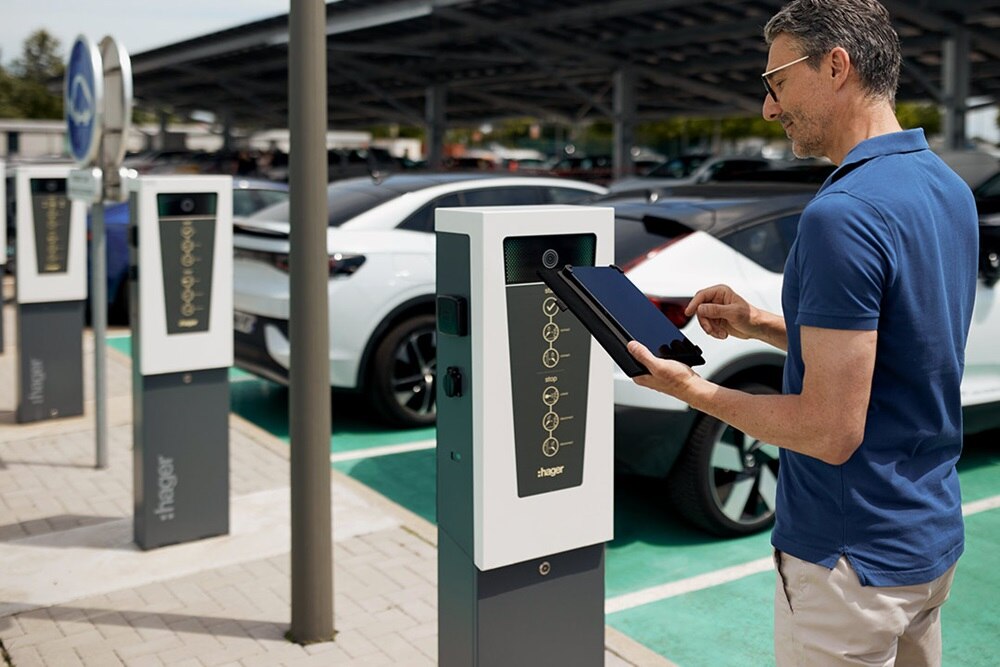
x=846, y=261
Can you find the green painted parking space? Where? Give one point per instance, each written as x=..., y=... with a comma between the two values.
x=266, y=404
x=407, y=478
x=645, y=528
x=732, y=624
x=722, y=620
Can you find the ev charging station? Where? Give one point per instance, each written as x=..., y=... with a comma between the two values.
x=50, y=290
x=3, y=246
x=181, y=305
x=525, y=445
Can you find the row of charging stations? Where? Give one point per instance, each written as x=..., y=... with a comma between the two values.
x=525, y=453
x=524, y=432
x=181, y=306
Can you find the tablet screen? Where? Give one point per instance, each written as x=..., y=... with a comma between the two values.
x=632, y=310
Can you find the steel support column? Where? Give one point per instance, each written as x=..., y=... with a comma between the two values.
x=435, y=119
x=309, y=372
x=955, y=75
x=624, y=121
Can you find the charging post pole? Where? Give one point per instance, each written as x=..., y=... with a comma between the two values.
x=525, y=452
x=181, y=305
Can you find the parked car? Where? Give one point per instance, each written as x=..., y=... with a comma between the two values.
x=720, y=168
x=249, y=196
x=381, y=289
x=592, y=168
x=715, y=476
x=988, y=205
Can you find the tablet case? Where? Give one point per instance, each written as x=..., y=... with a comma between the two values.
x=662, y=338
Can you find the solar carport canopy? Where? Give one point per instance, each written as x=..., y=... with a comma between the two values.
x=559, y=61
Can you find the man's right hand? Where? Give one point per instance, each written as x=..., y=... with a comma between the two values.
x=723, y=313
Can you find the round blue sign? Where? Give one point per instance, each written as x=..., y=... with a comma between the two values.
x=83, y=101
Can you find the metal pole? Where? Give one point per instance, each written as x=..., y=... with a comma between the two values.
x=309, y=379
x=99, y=323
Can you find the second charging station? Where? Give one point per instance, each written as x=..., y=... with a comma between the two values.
x=181, y=305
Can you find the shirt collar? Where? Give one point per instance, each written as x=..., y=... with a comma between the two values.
x=905, y=141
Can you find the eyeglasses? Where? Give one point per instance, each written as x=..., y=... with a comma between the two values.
x=767, y=84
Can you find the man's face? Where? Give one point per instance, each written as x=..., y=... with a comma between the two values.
x=801, y=107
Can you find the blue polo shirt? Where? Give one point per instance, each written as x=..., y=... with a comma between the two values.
x=890, y=243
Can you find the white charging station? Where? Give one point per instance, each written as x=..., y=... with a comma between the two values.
x=525, y=440
x=3, y=246
x=181, y=306
x=50, y=290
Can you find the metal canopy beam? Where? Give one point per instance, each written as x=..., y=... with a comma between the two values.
x=501, y=58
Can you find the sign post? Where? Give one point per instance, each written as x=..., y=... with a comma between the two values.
x=98, y=115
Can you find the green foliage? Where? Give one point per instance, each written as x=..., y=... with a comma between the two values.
x=24, y=88
x=911, y=115
x=40, y=60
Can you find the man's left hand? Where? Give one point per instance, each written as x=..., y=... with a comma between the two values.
x=666, y=375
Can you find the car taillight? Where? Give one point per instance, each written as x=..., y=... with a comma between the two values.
x=345, y=265
x=339, y=264
x=672, y=308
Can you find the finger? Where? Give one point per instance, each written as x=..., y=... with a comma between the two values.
x=706, y=295
x=639, y=351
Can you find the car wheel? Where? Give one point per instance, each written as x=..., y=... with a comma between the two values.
x=725, y=481
x=402, y=381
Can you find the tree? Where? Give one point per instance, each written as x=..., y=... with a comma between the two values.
x=40, y=61
x=25, y=88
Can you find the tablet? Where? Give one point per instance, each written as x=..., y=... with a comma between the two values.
x=615, y=312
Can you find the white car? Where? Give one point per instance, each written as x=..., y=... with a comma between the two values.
x=382, y=281
x=740, y=235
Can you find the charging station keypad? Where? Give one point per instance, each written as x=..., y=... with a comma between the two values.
x=52, y=220
x=187, y=239
x=550, y=363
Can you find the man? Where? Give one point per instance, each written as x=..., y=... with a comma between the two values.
x=877, y=299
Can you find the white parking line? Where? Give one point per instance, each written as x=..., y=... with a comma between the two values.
x=728, y=574
x=983, y=505
x=387, y=450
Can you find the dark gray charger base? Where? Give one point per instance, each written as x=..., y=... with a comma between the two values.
x=49, y=360
x=181, y=456
x=516, y=615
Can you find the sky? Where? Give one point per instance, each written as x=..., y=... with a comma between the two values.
x=138, y=25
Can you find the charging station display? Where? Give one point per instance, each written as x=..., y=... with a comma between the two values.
x=187, y=247
x=550, y=363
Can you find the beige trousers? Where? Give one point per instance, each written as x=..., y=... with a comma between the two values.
x=826, y=617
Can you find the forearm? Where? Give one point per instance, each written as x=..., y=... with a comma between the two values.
x=789, y=421
x=770, y=328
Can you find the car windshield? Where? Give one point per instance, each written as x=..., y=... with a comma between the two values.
x=345, y=200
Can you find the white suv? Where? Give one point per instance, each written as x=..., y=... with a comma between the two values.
x=716, y=477
x=381, y=291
